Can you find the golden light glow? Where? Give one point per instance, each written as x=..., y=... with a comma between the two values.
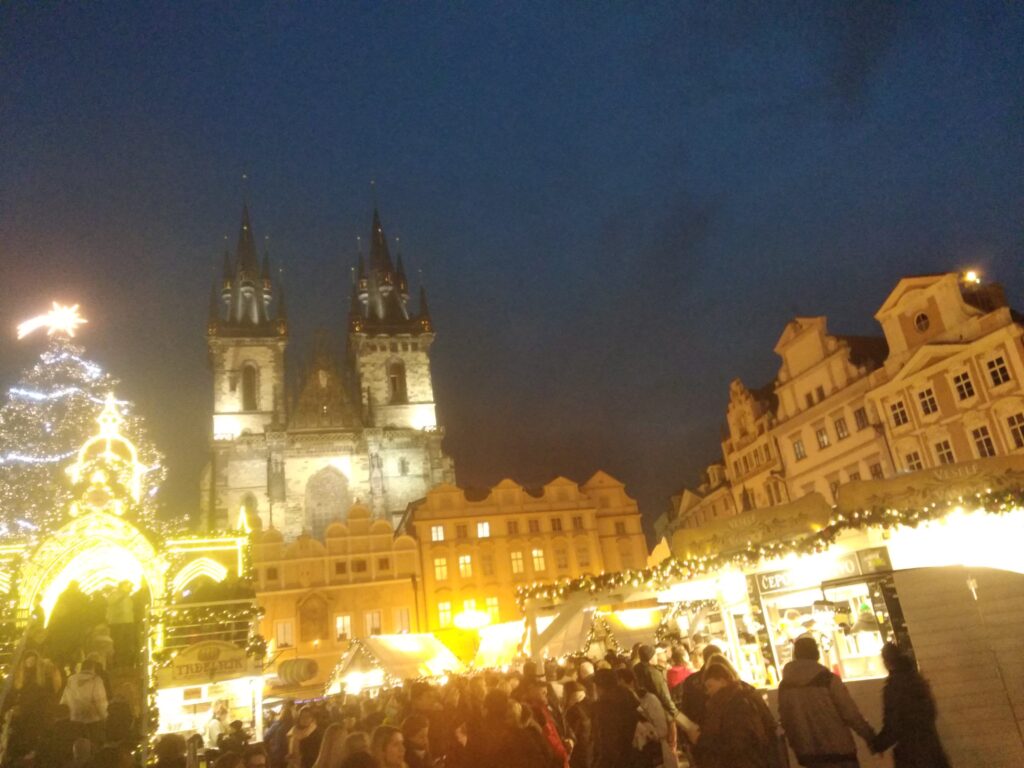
x=638, y=618
x=972, y=276
x=472, y=620
x=113, y=451
x=60, y=319
x=204, y=566
x=972, y=539
x=100, y=566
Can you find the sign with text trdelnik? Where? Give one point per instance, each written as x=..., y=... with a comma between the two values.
x=206, y=662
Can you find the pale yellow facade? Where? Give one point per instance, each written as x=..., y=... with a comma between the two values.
x=318, y=596
x=476, y=551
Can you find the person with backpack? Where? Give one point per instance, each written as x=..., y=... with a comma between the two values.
x=817, y=711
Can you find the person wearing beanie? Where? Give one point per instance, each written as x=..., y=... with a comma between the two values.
x=817, y=711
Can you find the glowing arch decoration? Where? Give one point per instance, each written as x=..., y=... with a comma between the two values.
x=203, y=566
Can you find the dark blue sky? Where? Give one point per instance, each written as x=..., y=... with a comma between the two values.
x=615, y=207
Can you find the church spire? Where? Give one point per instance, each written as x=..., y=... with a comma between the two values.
x=248, y=288
x=247, y=262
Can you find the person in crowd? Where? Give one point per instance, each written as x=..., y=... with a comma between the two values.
x=387, y=747
x=214, y=728
x=81, y=753
x=738, y=730
x=112, y=756
x=663, y=752
x=332, y=747
x=908, y=710
x=86, y=699
x=65, y=631
x=579, y=717
x=234, y=739
x=120, y=616
x=615, y=719
x=120, y=718
x=534, y=696
x=504, y=742
x=817, y=711
x=255, y=757
x=36, y=686
x=304, y=739
x=416, y=731
x=228, y=760
x=693, y=697
x=100, y=644
x=586, y=677
x=58, y=746
x=652, y=678
x=170, y=751
x=356, y=742
x=276, y=737
x=679, y=670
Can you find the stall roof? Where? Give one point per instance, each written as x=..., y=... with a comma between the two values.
x=402, y=657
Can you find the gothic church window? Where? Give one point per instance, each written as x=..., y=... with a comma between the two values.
x=327, y=500
x=396, y=382
x=249, y=381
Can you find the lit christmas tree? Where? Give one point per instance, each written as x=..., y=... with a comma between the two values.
x=49, y=413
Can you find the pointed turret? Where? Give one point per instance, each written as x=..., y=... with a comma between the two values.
x=403, y=283
x=380, y=257
x=247, y=289
x=246, y=259
x=424, y=309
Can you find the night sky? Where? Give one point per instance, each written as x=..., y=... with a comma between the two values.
x=615, y=207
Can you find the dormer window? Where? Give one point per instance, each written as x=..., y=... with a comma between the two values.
x=921, y=322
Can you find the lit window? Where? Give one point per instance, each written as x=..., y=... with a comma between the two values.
x=798, y=450
x=513, y=527
x=913, y=461
x=620, y=528
x=577, y=523
x=899, y=414
x=483, y=530
x=1016, y=423
x=493, y=610
x=343, y=627
x=465, y=566
x=983, y=442
x=944, y=452
x=583, y=556
x=561, y=559
x=469, y=605
x=461, y=532
x=822, y=436
x=517, y=562
x=860, y=418
x=437, y=533
x=964, y=386
x=402, y=620
x=842, y=431
x=487, y=564
x=928, y=404
x=440, y=568
x=998, y=371
x=374, y=623
x=556, y=524
x=538, y=559
x=284, y=633
x=444, y=614
x=876, y=471
x=534, y=526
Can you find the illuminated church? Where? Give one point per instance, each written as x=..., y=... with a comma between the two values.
x=363, y=428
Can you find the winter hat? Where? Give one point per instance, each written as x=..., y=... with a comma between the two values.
x=586, y=670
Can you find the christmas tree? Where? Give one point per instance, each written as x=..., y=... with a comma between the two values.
x=48, y=414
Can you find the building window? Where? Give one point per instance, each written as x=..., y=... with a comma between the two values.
x=899, y=414
x=928, y=404
x=854, y=475
x=469, y=605
x=820, y=392
x=513, y=527
x=556, y=524
x=538, y=560
x=620, y=528
x=250, y=376
x=483, y=530
x=964, y=386
x=343, y=627
x=383, y=564
x=876, y=471
x=461, y=532
x=441, y=568
x=944, y=452
x=517, y=562
x=534, y=526
x=271, y=574
x=396, y=383
x=437, y=533
x=833, y=488
x=798, y=450
x=583, y=556
x=822, y=436
x=921, y=322
x=493, y=610
x=809, y=399
x=998, y=371
x=561, y=559
x=465, y=566
x=403, y=466
x=358, y=566
x=402, y=623
x=487, y=564
x=913, y=461
x=983, y=442
x=340, y=568
x=842, y=431
x=444, y=614
x=577, y=523
x=284, y=633
x=1016, y=423
x=860, y=418
x=374, y=624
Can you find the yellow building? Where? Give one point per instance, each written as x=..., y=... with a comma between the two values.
x=477, y=550
x=951, y=389
x=753, y=466
x=318, y=596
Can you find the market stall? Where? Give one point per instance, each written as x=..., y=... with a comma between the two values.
x=384, y=661
x=501, y=645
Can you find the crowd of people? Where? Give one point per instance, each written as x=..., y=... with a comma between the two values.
x=650, y=709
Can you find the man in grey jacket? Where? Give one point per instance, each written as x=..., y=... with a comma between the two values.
x=817, y=711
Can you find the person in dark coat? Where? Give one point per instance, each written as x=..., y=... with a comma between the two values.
x=579, y=723
x=908, y=709
x=738, y=729
x=693, y=698
x=616, y=713
x=502, y=742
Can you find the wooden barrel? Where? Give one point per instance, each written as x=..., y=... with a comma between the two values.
x=297, y=671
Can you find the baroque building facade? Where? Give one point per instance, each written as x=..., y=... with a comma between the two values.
x=360, y=428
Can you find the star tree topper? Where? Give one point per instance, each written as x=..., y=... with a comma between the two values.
x=62, y=319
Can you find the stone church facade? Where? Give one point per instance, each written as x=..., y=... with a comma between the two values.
x=363, y=428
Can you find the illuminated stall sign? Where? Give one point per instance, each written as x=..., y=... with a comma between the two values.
x=206, y=662
x=847, y=566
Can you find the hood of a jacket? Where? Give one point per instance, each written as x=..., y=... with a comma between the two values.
x=802, y=671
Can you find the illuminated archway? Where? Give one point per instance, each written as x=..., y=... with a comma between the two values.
x=96, y=550
x=204, y=566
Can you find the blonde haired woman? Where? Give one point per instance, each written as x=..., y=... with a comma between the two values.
x=333, y=747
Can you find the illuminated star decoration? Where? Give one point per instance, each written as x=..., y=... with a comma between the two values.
x=60, y=319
